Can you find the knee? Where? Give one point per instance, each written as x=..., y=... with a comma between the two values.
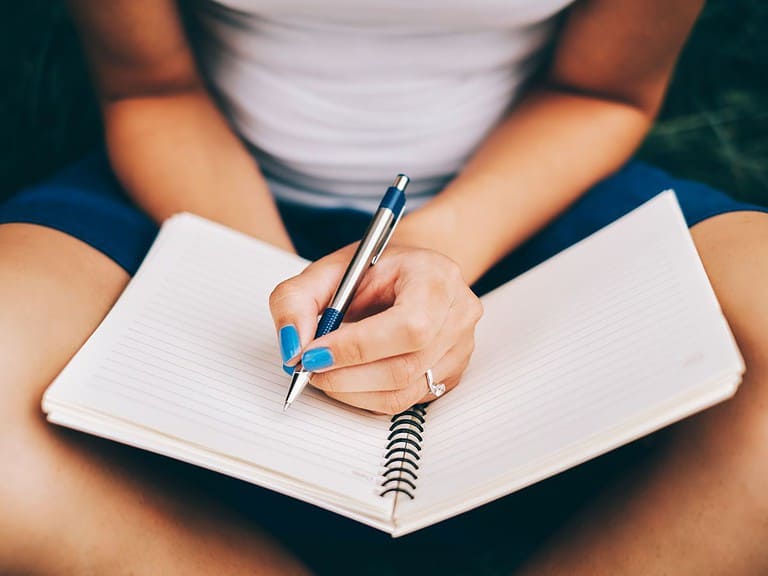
x=738, y=429
x=747, y=411
x=23, y=486
x=734, y=439
x=34, y=455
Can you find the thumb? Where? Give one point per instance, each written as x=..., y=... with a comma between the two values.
x=296, y=303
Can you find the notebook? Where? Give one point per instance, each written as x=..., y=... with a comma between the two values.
x=611, y=339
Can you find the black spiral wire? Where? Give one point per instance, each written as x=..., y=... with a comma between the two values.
x=402, y=457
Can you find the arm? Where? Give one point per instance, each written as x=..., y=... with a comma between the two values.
x=612, y=64
x=611, y=68
x=168, y=144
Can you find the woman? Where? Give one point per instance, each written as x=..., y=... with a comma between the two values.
x=285, y=121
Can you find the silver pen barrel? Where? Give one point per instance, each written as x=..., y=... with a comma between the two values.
x=375, y=239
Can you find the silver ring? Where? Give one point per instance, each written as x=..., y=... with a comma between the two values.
x=436, y=389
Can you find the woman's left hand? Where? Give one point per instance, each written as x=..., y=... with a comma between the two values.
x=412, y=312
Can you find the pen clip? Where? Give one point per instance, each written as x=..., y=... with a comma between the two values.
x=385, y=239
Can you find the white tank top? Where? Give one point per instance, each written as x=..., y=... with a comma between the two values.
x=336, y=97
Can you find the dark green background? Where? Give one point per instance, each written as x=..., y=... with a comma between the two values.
x=714, y=126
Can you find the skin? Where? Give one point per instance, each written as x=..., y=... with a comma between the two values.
x=700, y=507
x=380, y=359
x=73, y=505
x=601, y=90
x=697, y=509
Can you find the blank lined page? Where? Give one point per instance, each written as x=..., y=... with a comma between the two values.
x=190, y=352
x=614, y=337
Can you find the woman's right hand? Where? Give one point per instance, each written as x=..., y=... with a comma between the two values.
x=413, y=312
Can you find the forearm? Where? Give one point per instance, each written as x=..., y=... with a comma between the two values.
x=176, y=153
x=550, y=150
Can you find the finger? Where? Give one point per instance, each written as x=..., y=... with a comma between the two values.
x=383, y=375
x=391, y=373
x=409, y=325
x=387, y=402
x=448, y=370
x=296, y=303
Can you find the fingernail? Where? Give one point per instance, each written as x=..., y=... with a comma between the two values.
x=288, y=369
x=317, y=359
x=289, y=342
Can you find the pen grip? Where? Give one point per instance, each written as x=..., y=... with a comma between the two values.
x=329, y=321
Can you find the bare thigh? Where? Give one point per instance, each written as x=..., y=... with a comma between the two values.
x=700, y=505
x=74, y=505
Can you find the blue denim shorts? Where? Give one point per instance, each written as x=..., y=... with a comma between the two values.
x=86, y=201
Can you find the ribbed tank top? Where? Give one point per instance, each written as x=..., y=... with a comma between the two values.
x=336, y=97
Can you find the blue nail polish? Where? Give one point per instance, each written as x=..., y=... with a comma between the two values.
x=289, y=342
x=288, y=369
x=317, y=359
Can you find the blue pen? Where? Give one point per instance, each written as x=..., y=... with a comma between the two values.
x=367, y=254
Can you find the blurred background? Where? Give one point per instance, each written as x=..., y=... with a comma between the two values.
x=714, y=126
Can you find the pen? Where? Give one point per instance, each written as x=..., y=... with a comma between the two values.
x=367, y=254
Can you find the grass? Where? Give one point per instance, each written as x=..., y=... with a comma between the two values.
x=714, y=126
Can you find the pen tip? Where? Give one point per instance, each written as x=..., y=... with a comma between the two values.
x=286, y=406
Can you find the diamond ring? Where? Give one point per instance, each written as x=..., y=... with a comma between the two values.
x=436, y=389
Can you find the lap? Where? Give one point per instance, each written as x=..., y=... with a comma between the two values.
x=85, y=201
x=734, y=250
x=54, y=290
x=60, y=488
x=64, y=283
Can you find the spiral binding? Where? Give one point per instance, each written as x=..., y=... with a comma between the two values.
x=402, y=452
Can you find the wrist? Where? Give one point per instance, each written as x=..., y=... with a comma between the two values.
x=436, y=226
x=425, y=228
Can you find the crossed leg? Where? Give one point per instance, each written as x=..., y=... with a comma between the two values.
x=76, y=505
x=701, y=506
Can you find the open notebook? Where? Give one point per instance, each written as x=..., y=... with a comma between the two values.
x=612, y=339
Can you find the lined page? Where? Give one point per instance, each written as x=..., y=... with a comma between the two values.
x=190, y=353
x=579, y=355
